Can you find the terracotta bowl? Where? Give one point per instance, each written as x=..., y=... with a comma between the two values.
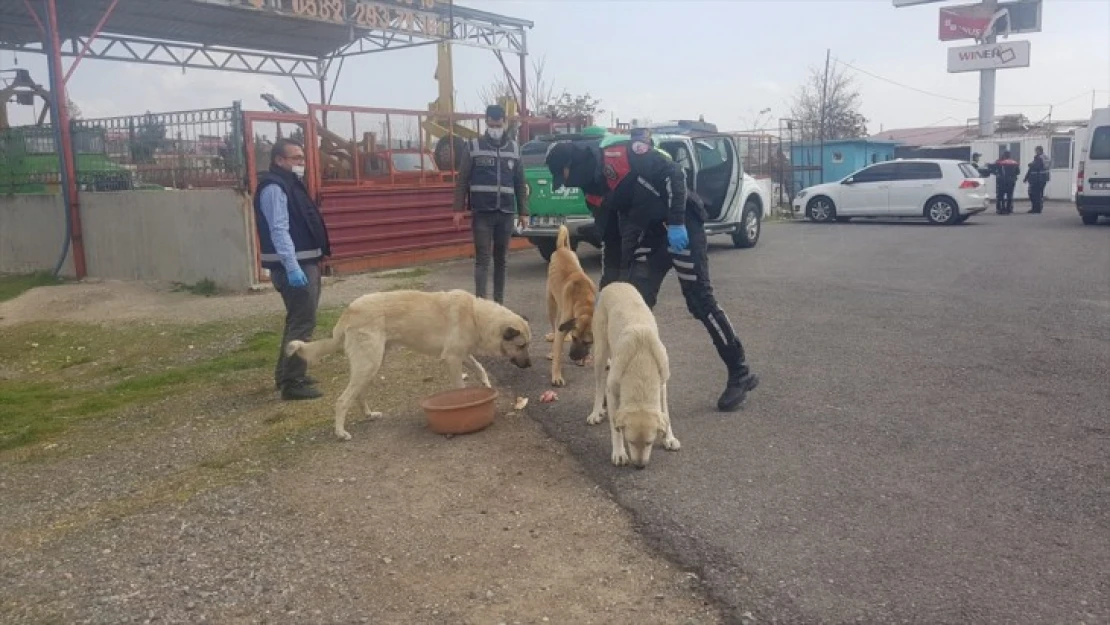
x=460, y=410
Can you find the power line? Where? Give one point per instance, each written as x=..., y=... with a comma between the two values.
x=942, y=96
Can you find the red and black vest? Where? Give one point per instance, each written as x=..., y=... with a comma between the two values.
x=615, y=166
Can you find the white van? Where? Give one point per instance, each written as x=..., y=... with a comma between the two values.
x=1092, y=192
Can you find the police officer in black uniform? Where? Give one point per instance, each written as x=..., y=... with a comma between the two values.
x=492, y=179
x=1005, y=171
x=1037, y=177
x=659, y=224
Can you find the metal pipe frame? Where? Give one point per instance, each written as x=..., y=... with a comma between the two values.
x=65, y=149
x=118, y=48
x=88, y=42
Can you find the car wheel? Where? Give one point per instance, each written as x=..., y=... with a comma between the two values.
x=1089, y=220
x=942, y=210
x=821, y=209
x=751, y=225
x=546, y=247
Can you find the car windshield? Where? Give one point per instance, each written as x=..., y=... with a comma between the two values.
x=1100, y=144
x=533, y=153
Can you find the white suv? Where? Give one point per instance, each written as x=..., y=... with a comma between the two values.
x=939, y=190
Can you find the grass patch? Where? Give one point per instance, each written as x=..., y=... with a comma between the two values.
x=205, y=287
x=13, y=286
x=60, y=375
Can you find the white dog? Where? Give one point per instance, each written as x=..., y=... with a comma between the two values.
x=635, y=389
x=452, y=326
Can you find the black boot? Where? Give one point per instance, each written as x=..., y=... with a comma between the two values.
x=299, y=389
x=737, y=390
x=740, y=378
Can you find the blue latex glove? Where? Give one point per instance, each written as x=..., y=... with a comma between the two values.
x=677, y=238
x=297, y=279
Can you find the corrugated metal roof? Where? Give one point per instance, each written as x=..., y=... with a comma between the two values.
x=209, y=22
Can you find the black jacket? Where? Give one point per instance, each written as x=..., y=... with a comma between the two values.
x=1038, y=171
x=653, y=189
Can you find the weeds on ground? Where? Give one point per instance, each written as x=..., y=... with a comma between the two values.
x=12, y=286
x=205, y=287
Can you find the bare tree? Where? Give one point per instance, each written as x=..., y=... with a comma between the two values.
x=836, y=115
x=74, y=110
x=541, y=94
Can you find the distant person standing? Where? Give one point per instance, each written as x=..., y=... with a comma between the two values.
x=1037, y=177
x=1005, y=171
x=491, y=182
x=293, y=240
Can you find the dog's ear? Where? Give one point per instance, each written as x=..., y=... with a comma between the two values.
x=510, y=333
x=567, y=326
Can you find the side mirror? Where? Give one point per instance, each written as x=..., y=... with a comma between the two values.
x=848, y=181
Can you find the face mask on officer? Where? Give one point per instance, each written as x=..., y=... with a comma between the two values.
x=495, y=122
x=298, y=170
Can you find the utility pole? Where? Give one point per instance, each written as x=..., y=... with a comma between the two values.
x=987, y=83
x=824, y=94
x=824, y=97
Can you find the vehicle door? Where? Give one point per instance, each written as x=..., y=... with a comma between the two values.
x=718, y=177
x=914, y=183
x=866, y=192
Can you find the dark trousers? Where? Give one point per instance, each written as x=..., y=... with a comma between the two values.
x=1036, y=194
x=642, y=258
x=1004, y=194
x=493, y=230
x=300, y=319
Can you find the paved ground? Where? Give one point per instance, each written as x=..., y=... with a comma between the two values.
x=931, y=441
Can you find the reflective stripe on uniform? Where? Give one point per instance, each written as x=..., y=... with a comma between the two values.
x=302, y=255
x=683, y=264
x=647, y=185
x=491, y=188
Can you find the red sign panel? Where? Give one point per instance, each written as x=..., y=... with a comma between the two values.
x=965, y=22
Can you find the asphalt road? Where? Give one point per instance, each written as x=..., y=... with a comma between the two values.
x=931, y=439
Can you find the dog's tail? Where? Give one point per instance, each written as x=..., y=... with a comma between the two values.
x=315, y=350
x=563, y=238
x=631, y=343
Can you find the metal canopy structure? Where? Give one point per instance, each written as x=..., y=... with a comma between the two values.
x=293, y=38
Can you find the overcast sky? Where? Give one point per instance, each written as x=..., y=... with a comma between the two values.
x=663, y=59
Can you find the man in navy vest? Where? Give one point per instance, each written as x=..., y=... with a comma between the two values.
x=491, y=181
x=292, y=240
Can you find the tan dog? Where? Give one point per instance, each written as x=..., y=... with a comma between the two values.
x=452, y=325
x=570, y=306
x=635, y=389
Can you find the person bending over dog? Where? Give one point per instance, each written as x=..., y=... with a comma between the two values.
x=656, y=225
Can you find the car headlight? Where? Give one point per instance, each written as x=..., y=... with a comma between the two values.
x=801, y=194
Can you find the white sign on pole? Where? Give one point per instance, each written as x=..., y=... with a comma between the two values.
x=1006, y=55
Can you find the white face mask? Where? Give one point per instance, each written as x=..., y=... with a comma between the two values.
x=298, y=170
x=496, y=133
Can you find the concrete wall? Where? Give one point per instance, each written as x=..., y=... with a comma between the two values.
x=32, y=230
x=173, y=236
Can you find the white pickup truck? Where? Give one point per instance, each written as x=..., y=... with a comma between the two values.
x=735, y=202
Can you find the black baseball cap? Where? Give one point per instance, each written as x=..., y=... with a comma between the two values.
x=640, y=134
x=495, y=111
x=559, y=157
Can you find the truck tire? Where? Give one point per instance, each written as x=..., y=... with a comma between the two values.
x=751, y=225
